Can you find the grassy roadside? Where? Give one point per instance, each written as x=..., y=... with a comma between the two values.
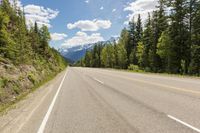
x=4, y=108
x=151, y=73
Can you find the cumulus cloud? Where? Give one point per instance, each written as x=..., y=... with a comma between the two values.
x=39, y=14
x=114, y=10
x=81, y=39
x=140, y=7
x=58, y=36
x=87, y=1
x=88, y=25
x=16, y=3
x=102, y=8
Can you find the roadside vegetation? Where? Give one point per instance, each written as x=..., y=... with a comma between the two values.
x=26, y=60
x=168, y=42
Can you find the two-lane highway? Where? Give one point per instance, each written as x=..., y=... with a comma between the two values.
x=106, y=101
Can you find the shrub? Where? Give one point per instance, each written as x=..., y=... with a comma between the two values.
x=3, y=82
x=32, y=78
x=16, y=89
x=134, y=68
x=147, y=69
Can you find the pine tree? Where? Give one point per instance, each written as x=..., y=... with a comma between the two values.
x=179, y=36
x=36, y=30
x=131, y=47
x=34, y=38
x=162, y=18
x=125, y=42
x=195, y=40
x=87, y=59
x=7, y=43
x=161, y=29
x=147, y=41
x=44, y=40
x=153, y=57
x=139, y=30
x=116, y=58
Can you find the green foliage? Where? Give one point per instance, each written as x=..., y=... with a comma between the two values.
x=107, y=56
x=140, y=54
x=24, y=47
x=16, y=89
x=164, y=49
x=122, y=56
x=139, y=29
x=20, y=44
x=32, y=78
x=88, y=59
x=195, y=63
x=134, y=68
x=3, y=82
x=169, y=41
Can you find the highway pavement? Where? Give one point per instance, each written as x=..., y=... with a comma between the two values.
x=86, y=100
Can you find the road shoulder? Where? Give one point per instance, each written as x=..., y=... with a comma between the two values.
x=15, y=119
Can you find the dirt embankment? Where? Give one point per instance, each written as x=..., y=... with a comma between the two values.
x=21, y=79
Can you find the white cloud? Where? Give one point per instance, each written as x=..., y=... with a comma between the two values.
x=102, y=8
x=87, y=1
x=141, y=7
x=81, y=39
x=39, y=14
x=114, y=10
x=88, y=25
x=58, y=36
x=16, y=3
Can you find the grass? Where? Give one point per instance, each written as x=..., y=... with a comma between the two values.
x=10, y=105
x=162, y=74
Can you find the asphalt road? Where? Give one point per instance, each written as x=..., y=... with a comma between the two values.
x=84, y=100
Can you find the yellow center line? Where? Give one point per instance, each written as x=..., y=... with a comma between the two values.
x=155, y=84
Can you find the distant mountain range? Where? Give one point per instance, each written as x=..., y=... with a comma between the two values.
x=75, y=53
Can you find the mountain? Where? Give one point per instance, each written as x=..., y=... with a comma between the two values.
x=74, y=54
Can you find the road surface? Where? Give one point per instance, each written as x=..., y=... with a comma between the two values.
x=83, y=100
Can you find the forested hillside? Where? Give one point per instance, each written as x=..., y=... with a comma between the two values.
x=26, y=60
x=169, y=41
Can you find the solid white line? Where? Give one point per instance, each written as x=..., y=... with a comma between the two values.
x=187, y=125
x=99, y=81
x=32, y=112
x=42, y=126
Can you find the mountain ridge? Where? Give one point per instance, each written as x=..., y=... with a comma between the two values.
x=77, y=52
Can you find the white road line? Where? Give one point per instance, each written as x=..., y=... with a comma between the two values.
x=32, y=112
x=42, y=126
x=185, y=124
x=99, y=81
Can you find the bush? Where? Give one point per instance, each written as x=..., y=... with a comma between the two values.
x=147, y=69
x=134, y=68
x=16, y=89
x=32, y=78
x=3, y=82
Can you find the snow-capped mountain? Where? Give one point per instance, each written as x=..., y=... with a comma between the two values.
x=75, y=53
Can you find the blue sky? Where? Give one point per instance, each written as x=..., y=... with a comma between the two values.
x=77, y=22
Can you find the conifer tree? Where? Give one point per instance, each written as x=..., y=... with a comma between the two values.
x=139, y=29
x=147, y=41
x=179, y=36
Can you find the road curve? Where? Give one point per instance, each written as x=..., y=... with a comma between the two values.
x=107, y=101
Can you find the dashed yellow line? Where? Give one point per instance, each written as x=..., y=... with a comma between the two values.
x=156, y=84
